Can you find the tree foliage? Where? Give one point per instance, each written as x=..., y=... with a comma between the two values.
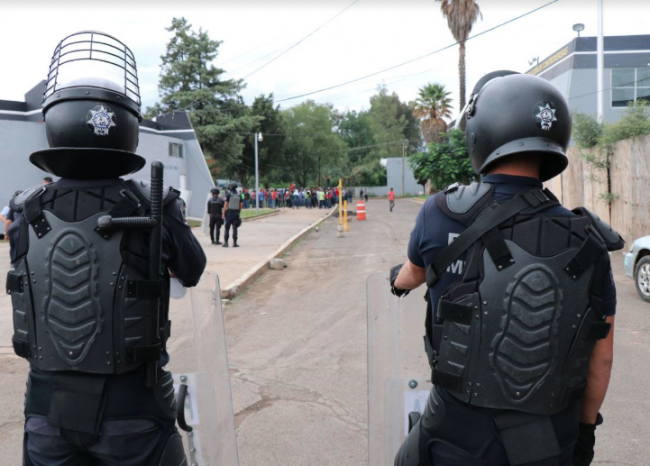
x=461, y=16
x=271, y=149
x=189, y=81
x=312, y=147
x=432, y=106
x=445, y=162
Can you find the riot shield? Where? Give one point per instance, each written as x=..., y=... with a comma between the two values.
x=398, y=371
x=197, y=348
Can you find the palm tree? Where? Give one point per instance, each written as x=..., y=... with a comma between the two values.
x=432, y=105
x=461, y=16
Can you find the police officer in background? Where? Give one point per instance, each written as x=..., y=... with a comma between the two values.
x=215, y=210
x=519, y=328
x=232, y=209
x=90, y=316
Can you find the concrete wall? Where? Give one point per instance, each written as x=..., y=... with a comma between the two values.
x=629, y=176
x=394, y=177
x=394, y=180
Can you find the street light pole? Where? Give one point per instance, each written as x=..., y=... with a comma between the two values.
x=258, y=137
x=600, y=64
x=403, y=162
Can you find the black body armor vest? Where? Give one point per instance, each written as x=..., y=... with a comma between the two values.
x=517, y=330
x=81, y=301
x=215, y=207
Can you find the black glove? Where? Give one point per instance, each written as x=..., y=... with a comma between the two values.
x=583, y=454
x=394, y=272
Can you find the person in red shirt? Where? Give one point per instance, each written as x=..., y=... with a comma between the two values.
x=391, y=199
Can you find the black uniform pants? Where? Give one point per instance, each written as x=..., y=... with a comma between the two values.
x=215, y=224
x=451, y=433
x=231, y=219
x=126, y=443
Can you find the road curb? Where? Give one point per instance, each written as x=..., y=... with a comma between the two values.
x=236, y=287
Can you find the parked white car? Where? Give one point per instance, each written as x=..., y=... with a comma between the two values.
x=637, y=266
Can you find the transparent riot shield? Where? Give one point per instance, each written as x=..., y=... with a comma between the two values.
x=197, y=348
x=398, y=371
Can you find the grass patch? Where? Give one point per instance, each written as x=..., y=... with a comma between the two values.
x=194, y=223
x=424, y=196
x=250, y=213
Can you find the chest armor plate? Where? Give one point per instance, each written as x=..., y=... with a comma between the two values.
x=77, y=310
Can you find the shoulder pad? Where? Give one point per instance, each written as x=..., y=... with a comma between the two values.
x=460, y=199
x=144, y=189
x=610, y=236
x=19, y=201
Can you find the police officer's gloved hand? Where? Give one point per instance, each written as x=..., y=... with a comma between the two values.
x=394, y=272
x=583, y=454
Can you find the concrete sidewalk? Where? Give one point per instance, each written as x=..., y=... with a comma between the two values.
x=258, y=239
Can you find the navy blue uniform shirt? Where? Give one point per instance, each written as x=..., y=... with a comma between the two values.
x=434, y=231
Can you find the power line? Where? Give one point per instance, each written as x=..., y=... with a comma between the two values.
x=303, y=39
x=418, y=58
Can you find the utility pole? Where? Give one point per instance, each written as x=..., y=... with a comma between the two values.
x=257, y=137
x=403, y=163
x=600, y=64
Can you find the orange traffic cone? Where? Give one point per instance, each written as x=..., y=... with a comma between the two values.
x=361, y=210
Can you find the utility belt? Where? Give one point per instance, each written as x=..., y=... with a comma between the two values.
x=80, y=402
x=528, y=440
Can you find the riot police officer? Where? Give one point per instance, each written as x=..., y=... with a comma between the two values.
x=521, y=299
x=90, y=300
x=215, y=210
x=232, y=208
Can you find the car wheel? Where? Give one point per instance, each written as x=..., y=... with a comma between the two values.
x=642, y=277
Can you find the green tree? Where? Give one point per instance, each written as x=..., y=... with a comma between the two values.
x=445, y=162
x=189, y=81
x=461, y=16
x=432, y=106
x=312, y=147
x=392, y=122
x=271, y=149
x=355, y=130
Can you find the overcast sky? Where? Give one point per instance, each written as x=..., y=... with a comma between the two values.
x=369, y=36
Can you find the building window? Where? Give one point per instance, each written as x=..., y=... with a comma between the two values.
x=630, y=85
x=175, y=150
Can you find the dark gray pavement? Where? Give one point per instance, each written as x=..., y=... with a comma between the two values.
x=297, y=349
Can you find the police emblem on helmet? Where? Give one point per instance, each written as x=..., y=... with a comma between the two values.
x=100, y=120
x=546, y=115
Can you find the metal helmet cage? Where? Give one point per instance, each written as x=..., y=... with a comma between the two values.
x=93, y=59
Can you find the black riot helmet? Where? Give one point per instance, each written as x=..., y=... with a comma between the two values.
x=215, y=191
x=91, y=107
x=518, y=114
x=232, y=187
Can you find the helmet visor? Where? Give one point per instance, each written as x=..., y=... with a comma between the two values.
x=93, y=59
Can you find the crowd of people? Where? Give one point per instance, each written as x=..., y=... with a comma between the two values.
x=293, y=197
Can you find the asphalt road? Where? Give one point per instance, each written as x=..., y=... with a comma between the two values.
x=297, y=349
x=297, y=344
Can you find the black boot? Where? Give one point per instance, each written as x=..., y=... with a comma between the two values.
x=234, y=243
x=225, y=243
x=218, y=242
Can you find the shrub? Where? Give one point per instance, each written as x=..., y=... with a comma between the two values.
x=586, y=130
